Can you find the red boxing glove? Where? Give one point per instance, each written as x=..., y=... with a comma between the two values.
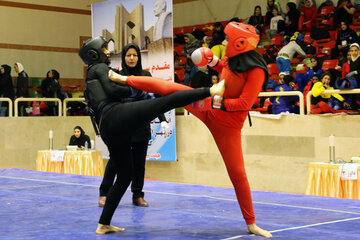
x=202, y=56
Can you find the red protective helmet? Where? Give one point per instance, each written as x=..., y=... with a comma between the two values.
x=242, y=38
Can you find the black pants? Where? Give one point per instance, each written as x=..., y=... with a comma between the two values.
x=118, y=122
x=138, y=154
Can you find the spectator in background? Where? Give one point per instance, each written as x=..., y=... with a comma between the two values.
x=344, y=12
x=302, y=79
x=217, y=48
x=309, y=86
x=354, y=72
x=219, y=28
x=326, y=103
x=345, y=66
x=207, y=41
x=51, y=88
x=6, y=88
x=291, y=19
x=257, y=19
x=22, y=85
x=273, y=30
x=191, y=44
x=307, y=19
x=327, y=3
x=214, y=79
x=284, y=103
x=216, y=45
x=357, y=4
x=271, y=4
x=345, y=37
x=79, y=138
x=287, y=53
x=354, y=62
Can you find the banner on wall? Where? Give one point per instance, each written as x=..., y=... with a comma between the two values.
x=147, y=23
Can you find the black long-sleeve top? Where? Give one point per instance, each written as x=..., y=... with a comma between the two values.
x=22, y=85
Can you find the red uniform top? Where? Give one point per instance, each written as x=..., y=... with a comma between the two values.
x=241, y=92
x=309, y=13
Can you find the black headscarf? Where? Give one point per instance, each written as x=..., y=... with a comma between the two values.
x=6, y=85
x=317, y=67
x=126, y=70
x=248, y=60
x=80, y=141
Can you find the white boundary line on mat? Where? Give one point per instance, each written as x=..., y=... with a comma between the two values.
x=292, y=228
x=189, y=195
x=264, y=203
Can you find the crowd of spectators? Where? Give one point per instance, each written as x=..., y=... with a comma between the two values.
x=22, y=86
x=323, y=39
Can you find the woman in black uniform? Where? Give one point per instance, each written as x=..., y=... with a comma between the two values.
x=118, y=119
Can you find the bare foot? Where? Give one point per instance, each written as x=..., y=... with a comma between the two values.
x=218, y=89
x=252, y=228
x=104, y=229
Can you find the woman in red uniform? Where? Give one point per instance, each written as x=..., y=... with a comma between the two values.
x=245, y=72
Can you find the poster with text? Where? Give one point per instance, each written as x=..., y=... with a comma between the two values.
x=148, y=24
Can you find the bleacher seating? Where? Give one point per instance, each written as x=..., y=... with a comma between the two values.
x=331, y=63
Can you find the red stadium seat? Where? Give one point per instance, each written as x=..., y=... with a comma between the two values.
x=276, y=40
x=329, y=64
x=272, y=68
x=307, y=38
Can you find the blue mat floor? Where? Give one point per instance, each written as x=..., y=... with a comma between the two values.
x=38, y=205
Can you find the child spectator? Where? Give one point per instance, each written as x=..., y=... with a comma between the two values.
x=273, y=30
x=309, y=86
x=207, y=41
x=326, y=103
x=307, y=18
x=214, y=79
x=302, y=79
x=287, y=53
x=271, y=4
x=345, y=37
x=284, y=103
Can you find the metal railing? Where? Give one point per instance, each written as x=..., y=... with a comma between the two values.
x=66, y=100
x=308, y=96
x=275, y=94
x=287, y=93
x=37, y=100
x=10, y=105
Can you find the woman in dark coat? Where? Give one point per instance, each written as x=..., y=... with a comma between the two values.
x=6, y=88
x=345, y=37
x=22, y=85
x=291, y=19
x=51, y=88
x=257, y=19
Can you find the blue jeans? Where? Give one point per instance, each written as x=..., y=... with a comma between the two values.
x=335, y=104
x=189, y=75
x=283, y=65
x=3, y=110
